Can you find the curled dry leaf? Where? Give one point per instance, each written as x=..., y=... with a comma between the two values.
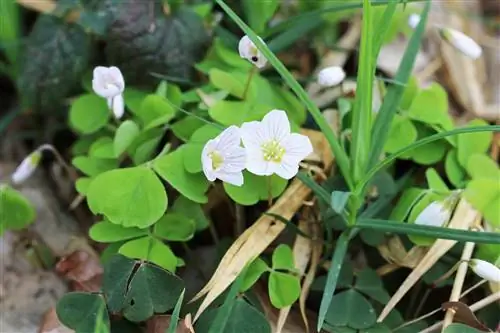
x=160, y=324
x=262, y=233
x=465, y=216
x=83, y=269
x=394, y=251
x=464, y=315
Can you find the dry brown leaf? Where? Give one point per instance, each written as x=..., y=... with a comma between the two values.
x=83, y=269
x=464, y=315
x=265, y=230
x=160, y=324
x=51, y=324
x=394, y=251
x=464, y=217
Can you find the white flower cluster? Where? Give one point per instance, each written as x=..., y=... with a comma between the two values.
x=269, y=148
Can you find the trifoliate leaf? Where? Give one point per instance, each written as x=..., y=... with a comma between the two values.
x=174, y=227
x=482, y=166
x=16, y=212
x=89, y=113
x=284, y=289
x=283, y=258
x=256, y=188
x=125, y=136
x=192, y=210
x=473, y=143
x=253, y=273
x=92, y=166
x=150, y=249
x=83, y=312
x=155, y=111
x=350, y=308
x=107, y=232
x=454, y=170
x=102, y=148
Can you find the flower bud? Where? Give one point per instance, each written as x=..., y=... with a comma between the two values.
x=27, y=167
x=331, y=76
x=461, y=42
x=436, y=214
x=413, y=20
x=249, y=51
x=485, y=270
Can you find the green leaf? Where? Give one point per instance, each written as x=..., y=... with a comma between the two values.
x=410, y=91
x=150, y=249
x=192, y=210
x=92, y=166
x=117, y=272
x=339, y=201
x=171, y=168
x=350, y=308
x=362, y=113
x=231, y=82
x=83, y=312
x=283, y=258
x=131, y=197
x=401, y=134
x=482, y=166
x=430, y=153
x=284, y=289
x=460, y=328
x=333, y=275
x=258, y=13
x=151, y=290
x=369, y=283
x=184, y=128
x=394, y=96
x=428, y=231
x=434, y=180
x=256, y=188
x=406, y=202
x=102, y=148
x=155, y=111
x=82, y=184
x=473, y=143
x=236, y=112
x=253, y=273
x=484, y=195
x=88, y=114
x=175, y=227
x=145, y=145
x=430, y=106
x=243, y=318
x=133, y=99
x=124, y=136
x=16, y=212
x=54, y=58
x=172, y=328
x=107, y=232
x=340, y=154
x=455, y=172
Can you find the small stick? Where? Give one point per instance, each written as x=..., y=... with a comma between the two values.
x=249, y=79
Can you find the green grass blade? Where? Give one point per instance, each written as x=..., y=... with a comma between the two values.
x=381, y=126
x=320, y=192
x=362, y=184
x=362, y=112
x=333, y=274
x=429, y=231
x=339, y=153
x=382, y=28
x=224, y=312
x=174, y=320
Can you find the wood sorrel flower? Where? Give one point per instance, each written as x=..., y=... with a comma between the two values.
x=271, y=148
x=436, y=214
x=331, y=76
x=27, y=167
x=249, y=51
x=108, y=82
x=461, y=42
x=485, y=270
x=223, y=158
x=413, y=20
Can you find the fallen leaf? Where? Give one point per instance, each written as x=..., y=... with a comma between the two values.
x=464, y=315
x=83, y=269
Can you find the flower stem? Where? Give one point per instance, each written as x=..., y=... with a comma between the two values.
x=269, y=192
x=249, y=80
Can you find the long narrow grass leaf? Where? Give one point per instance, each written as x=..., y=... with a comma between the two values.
x=333, y=274
x=174, y=320
x=362, y=112
x=381, y=126
x=340, y=154
x=320, y=192
x=429, y=231
x=382, y=27
x=362, y=184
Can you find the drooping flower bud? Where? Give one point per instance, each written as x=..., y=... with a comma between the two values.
x=436, y=215
x=461, y=42
x=485, y=270
x=27, y=167
x=249, y=51
x=331, y=76
x=108, y=82
x=413, y=20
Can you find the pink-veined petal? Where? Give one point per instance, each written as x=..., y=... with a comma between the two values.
x=234, y=160
x=276, y=125
x=297, y=147
x=287, y=169
x=117, y=77
x=253, y=135
x=230, y=137
x=257, y=165
x=233, y=178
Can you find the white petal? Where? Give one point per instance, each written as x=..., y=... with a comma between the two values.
x=109, y=101
x=117, y=76
x=276, y=125
x=233, y=178
x=249, y=51
x=297, y=147
x=230, y=137
x=99, y=73
x=118, y=106
x=257, y=165
x=331, y=76
x=413, y=20
x=485, y=270
x=27, y=167
x=462, y=42
x=206, y=161
x=253, y=134
x=433, y=215
x=287, y=169
x=244, y=47
x=234, y=159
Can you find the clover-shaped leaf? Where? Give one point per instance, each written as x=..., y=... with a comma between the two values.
x=155, y=111
x=434, y=180
x=102, y=148
x=107, y=232
x=150, y=249
x=484, y=195
x=253, y=273
x=256, y=188
x=83, y=312
x=350, y=308
x=454, y=170
x=89, y=113
x=16, y=212
x=175, y=227
x=125, y=136
x=236, y=112
x=401, y=134
x=92, y=166
x=283, y=258
x=482, y=166
x=473, y=143
x=131, y=197
x=369, y=283
x=284, y=289
x=192, y=210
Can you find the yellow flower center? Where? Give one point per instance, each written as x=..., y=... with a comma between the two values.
x=273, y=151
x=217, y=159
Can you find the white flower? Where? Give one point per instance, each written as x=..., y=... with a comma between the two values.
x=249, y=51
x=436, y=214
x=271, y=148
x=485, y=270
x=413, y=20
x=461, y=42
x=331, y=76
x=108, y=82
x=27, y=167
x=224, y=158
